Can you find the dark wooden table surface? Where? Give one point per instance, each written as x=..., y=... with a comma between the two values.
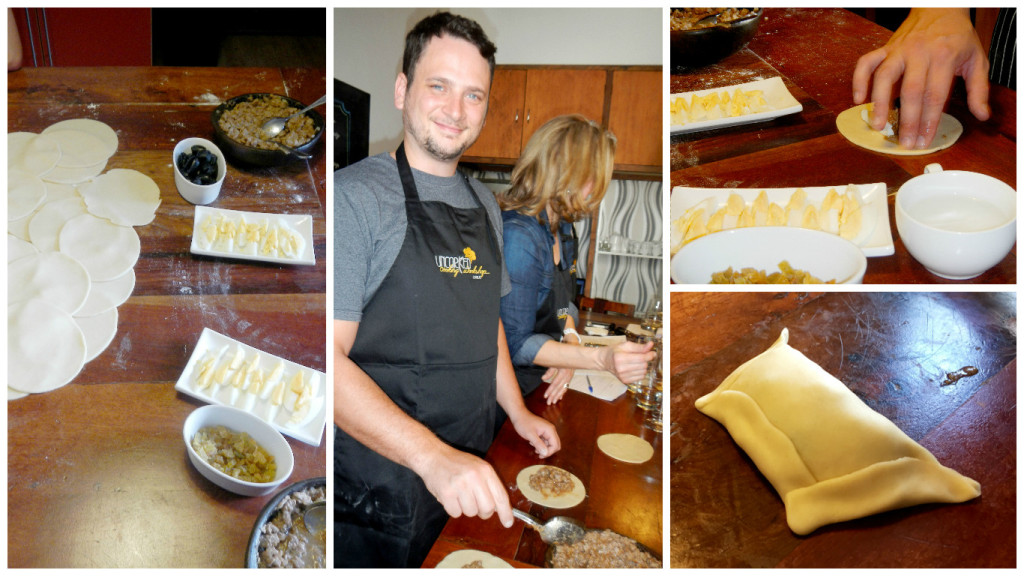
x=815, y=52
x=893, y=350
x=97, y=473
x=625, y=498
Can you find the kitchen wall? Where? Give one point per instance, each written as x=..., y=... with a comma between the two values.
x=368, y=44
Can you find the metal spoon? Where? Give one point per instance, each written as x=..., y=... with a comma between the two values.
x=558, y=530
x=315, y=517
x=291, y=150
x=274, y=126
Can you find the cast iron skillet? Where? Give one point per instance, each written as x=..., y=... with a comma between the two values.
x=703, y=46
x=252, y=553
x=246, y=154
x=550, y=555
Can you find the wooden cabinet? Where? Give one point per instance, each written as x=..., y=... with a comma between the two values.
x=626, y=99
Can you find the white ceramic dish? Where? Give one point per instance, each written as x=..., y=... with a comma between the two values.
x=238, y=421
x=875, y=238
x=198, y=193
x=957, y=224
x=300, y=224
x=825, y=256
x=308, y=428
x=780, y=103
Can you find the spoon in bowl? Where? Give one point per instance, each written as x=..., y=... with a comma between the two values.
x=315, y=517
x=273, y=126
x=558, y=530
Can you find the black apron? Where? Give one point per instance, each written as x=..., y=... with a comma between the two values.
x=428, y=338
x=551, y=315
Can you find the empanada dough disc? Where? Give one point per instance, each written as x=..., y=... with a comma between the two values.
x=45, y=226
x=99, y=331
x=25, y=193
x=851, y=124
x=13, y=394
x=32, y=153
x=57, y=278
x=626, y=447
x=579, y=492
x=79, y=149
x=45, y=347
x=460, y=558
x=65, y=175
x=109, y=294
x=107, y=250
x=18, y=248
x=100, y=130
x=125, y=197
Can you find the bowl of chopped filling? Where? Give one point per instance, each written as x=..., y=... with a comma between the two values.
x=236, y=450
x=602, y=549
x=703, y=36
x=280, y=537
x=769, y=255
x=237, y=123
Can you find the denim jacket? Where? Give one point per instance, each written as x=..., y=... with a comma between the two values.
x=528, y=257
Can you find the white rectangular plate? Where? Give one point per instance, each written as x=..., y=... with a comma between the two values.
x=874, y=240
x=310, y=430
x=780, y=103
x=300, y=223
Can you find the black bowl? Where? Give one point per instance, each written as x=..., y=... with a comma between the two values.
x=704, y=46
x=252, y=553
x=245, y=154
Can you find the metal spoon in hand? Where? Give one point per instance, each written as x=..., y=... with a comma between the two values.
x=558, y=530
x=315, y=517
x=274, y=126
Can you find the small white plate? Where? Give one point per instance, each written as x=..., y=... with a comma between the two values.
x=299, y=223
x=780, y=103
x=223, y=348
x=875, y=238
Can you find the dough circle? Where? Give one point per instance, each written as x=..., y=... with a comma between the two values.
x=18, y=248
x=45, y=226
x=45, y=347
x=125, y=197
x=65, y=175
x=851, y=124
x=626, y=447
x=460, y=558
x=25, y=193
x=564, y=501
x=99, y=331
x=33, y=153
x=106, y=295
x=102, y=131
x=79, y=149
x=107, y=250
x=57, y=278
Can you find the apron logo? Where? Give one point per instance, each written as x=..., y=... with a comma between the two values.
x=456, y=265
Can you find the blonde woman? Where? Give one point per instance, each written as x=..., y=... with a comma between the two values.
x=561, y=176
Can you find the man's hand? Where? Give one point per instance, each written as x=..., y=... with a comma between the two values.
x=920, y=61
x=628, y=361
x=465, y=485
x=540, y=433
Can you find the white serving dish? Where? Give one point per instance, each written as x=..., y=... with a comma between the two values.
x=308, y=429
x=875, y=238
x=238, y=421
x=780, y=103
x=825, y=256
x=299, y=223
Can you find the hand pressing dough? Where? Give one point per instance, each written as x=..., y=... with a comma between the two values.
x=107, y=250
x=626, y=447
x=578, y=493
x=852, y=125
x=463, y=558
x=51, y=276
x=829, y=456
x=125, y=197
x=45, y=347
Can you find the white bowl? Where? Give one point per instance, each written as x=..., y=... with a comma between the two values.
x=957, y=224
x=198, y=193
x=239, y=421
x=823, y=255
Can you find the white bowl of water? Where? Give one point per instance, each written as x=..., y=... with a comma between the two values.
x=957, y=224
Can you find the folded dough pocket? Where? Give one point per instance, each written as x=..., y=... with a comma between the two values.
x=829, y=456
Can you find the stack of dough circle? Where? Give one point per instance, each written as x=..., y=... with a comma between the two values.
x=71, y=249
x=578, y=493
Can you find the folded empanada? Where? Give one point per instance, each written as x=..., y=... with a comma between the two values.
x=829, y=456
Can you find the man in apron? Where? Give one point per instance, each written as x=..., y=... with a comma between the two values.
x=421, y=362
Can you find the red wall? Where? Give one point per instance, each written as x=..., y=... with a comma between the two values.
x=86, y=36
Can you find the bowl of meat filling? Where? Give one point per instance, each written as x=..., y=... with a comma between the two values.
x=703, y=36
x=280, y=537
x=237, y=123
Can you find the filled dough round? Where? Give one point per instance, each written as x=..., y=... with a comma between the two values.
x=107, y=250
x=101, y=131
x=626, y=447
x=109, y=294
x=467, y=558
x=51, y=276
x=578, y=493
x=45, y=226
x=99, y=331
x=851, y=124
x=125, y=197
x=25, y=193
x=32, y=153
x=45, y=347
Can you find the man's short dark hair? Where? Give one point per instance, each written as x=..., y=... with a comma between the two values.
x=444, y=24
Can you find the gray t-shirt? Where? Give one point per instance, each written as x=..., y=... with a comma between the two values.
x=370, y=223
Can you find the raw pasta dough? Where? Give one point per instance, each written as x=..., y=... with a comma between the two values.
x=569, y=500
x=851, y=124
x=829, y=456
x=626, y=447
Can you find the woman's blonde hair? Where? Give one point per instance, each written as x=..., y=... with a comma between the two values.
x=562, y=157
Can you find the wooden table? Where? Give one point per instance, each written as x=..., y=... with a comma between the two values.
x=893, y=350
x=625, y=498
x=97, y=473
x=815, y=52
